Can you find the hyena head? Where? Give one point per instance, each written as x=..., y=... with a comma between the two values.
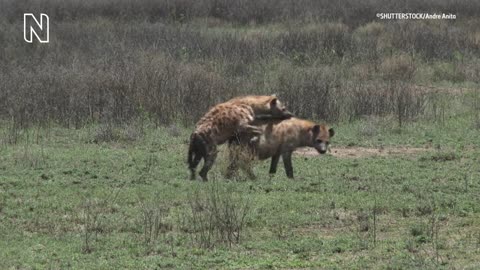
x=271, y=108
x=321, y=135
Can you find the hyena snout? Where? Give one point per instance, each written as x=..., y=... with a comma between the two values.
x=279, y=110
x=286, y=114
x=321, y=146
x=321, y=135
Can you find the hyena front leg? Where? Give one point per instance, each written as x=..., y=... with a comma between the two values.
x=274, y=163
x=194, y=165
x=250, y=130
x=287, y=162
x=208, y=162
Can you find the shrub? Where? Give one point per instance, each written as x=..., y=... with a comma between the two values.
x=217, y=215
x=398, y=67
x=448, y=72
x=310, y=92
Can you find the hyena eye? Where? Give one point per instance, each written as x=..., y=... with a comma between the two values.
x=318, y=141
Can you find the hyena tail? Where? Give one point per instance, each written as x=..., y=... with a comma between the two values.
x=196, y=151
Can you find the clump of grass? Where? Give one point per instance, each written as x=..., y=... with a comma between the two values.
x=419, y=231
x=440, y=157
x=217, y=215
x=174, y=130
x=112, y=132
x=398, y=67
x=238, y=157
x=105, y=133
x=132, y=131
x=152, y=219
x=448, y=72
x=92, y=217
x=372, y=126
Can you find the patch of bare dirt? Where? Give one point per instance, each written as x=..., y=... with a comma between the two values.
x=362, y=152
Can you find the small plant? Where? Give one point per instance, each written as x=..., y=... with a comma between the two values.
x=106, y=133
x=93, y=214
x=399, y=67
x=239, y=157
x=91, y=217
x=440, y=156
x=217, y=215
x=174, y=130
x=152, y=219
x=449, y=72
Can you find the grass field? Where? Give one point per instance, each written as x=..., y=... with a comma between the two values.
x=67, y=202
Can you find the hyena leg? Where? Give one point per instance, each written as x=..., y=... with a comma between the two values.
x=287, y=162
x=194, y=165
x=273, y=164
x=209, y=160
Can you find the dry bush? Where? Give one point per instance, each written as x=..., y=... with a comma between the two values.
x=152, y=220
x=92, y=216
x=372, y=126
x=237, y=157
x=398, y=67
x=106, y=132
x=217, y=215
x=315, y=40
x=448, y=72
x=368, y=42
x=436, y=39
x=310, y=92
x=400, y=99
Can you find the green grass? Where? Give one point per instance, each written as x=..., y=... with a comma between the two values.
x=425, y=207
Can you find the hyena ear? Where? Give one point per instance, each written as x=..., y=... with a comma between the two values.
x=331, y=132
x=316, y=129
x=273, y=102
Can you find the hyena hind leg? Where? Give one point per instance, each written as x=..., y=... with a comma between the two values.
x=207, y=165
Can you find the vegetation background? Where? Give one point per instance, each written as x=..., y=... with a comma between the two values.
x=93, y=130
x=332, y=60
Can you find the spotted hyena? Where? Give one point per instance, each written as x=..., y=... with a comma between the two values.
x=281, y=139
x=225, y=121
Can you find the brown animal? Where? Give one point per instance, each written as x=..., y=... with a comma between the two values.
x=281, y=139
x=226, y=120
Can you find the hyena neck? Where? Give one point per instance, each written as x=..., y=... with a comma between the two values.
x=306, y=137
x=259, y=109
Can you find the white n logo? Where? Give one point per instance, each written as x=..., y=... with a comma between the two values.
x=29, y=22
